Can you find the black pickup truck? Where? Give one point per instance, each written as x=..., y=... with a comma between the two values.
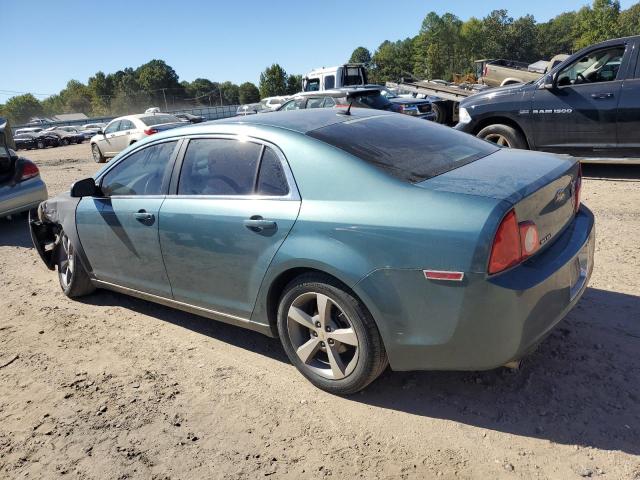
x=587, y=106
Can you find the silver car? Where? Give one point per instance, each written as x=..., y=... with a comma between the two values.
x=21, y=187
x=124, y=131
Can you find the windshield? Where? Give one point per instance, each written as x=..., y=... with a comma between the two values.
x=406, y=148
x=159, y=119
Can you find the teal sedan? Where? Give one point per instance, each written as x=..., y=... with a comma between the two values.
x=360, y=238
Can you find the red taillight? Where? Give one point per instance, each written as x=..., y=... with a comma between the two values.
x=150, y=131
x=506, y=250
x=514, y=242
x=29, y=170
x=577, y=186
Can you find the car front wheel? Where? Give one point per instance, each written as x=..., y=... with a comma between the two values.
x=503, y=136
x=97, y=154
x=72, y=275
x=329, y=335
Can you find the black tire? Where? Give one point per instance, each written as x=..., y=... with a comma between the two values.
x=97, y=154
x=369, y=353
x=74, y=279
x=64, y=142
x=441, y=113
x=41, y=144
x=503, y=135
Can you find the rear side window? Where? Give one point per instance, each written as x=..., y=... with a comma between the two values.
x=141, y=173
x=219, y=167
x=271, y=179
x=377, y=101
x=315, y=102
x=406, y=148
x=329, y=82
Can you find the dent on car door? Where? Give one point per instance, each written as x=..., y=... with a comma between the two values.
x=119, y=231
x=221, y=228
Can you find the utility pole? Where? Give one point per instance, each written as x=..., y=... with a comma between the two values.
x=166, y=108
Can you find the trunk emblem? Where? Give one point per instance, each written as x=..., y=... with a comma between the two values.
x=545, y=239
x=561, y=196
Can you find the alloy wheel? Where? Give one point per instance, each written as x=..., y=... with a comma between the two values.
x=498, y=139
x=322, y=335
x=66, y=265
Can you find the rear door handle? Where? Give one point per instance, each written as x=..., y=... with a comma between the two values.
x=601, y=96
x=259, y=224
x=144, y=217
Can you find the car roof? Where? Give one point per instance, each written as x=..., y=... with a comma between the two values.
x=302, y=121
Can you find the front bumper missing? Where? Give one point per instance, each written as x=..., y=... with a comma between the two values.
x=43, y=236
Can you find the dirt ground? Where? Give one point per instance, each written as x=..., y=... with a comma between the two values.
x=114, y=387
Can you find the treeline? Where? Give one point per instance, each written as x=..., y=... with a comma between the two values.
x=153, y=84
x=445, y=45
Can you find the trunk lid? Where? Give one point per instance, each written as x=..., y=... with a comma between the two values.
x=540, y=186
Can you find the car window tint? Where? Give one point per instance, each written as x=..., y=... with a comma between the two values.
x=329, y=82
x=126, y=125
x=141, y=173
x=315, y=102
x=219, y=167
x=312, y=85
x=159, y=119
x=406, y=148
x=113, y=127
x=271, y=179
x=594, y=67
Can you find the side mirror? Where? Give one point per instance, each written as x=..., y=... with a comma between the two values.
x=85, y=188
x=548, y=83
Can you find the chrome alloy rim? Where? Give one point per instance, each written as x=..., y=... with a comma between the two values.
x=66, y=266
x=498, y=139
x=94, y=151
x=322, y=336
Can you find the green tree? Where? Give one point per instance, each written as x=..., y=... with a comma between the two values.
x=76, y=97
x=598, y=23
x=392, y=60
x=558, y=35
x=22, y=107
x=53, y=105
x=230, y=93
x=360, y=55
x=159, y=81
x=248, y=93
x=273, y=81
x=629, y=21
x=294, y=84
x=438, y=50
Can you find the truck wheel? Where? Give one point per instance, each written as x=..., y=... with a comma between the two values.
x=329, y=335
x=441, y=114
x=503, y=136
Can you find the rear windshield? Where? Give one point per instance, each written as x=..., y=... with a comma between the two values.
x=406, y=148
x=158, y=119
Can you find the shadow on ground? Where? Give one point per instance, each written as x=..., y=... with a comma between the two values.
x=582, y=386
x=611, y=172
x=15, y=232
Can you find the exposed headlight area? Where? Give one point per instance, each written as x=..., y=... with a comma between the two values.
x=409, y=110
x=463, y=115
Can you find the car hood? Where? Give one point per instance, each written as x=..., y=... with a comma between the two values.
x=507, y=174
x=408, y=101
x=494, y=93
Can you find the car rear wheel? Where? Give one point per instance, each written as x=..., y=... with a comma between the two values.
x=64, y=142
x=73, y=278
x=503, y=136
x=97, y=154
x=329, y=335
x=441, y=114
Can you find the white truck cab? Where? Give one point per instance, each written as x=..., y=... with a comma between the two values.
x=347, y=75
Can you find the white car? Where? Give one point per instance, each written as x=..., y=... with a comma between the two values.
x=124, y=131
x=272, y=103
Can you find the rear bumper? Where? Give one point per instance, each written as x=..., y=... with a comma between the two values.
x=480, y=323
x=22, y=196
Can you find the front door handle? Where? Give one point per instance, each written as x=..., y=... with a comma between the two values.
x=259, y=224
x=144, y=217
x=601, y=96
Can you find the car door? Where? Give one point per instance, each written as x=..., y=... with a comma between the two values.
x=629, y=109
x=124, y=134
x=231, y=208
x=108, y=142
x=578, y=114
x=119, y=231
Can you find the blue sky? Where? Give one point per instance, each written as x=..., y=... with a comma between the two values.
x=52, y=42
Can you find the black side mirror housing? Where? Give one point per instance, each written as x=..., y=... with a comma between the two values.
x=85, y=188
x=100, y=132
x=548, y=83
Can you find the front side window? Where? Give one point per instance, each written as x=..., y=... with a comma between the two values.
x=595, y=67
x=315, y=102
x=126, y=125
x=112, y=127
x=295, y=104
x=219, y=167
x=141, y=173
x=329, y=82
x=329, y=102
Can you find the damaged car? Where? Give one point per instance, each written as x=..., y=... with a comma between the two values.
x=21, y=187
